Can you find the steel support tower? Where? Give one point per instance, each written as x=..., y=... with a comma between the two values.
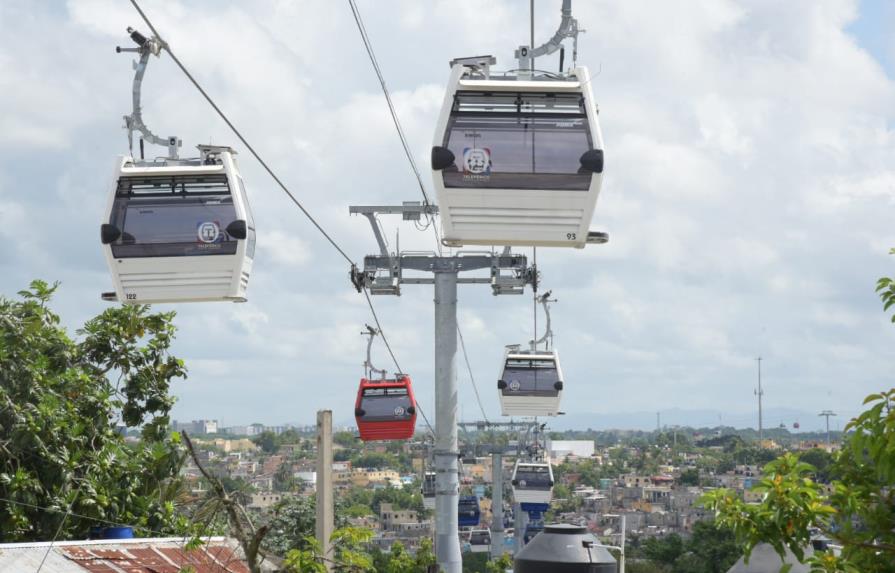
x=383, y=274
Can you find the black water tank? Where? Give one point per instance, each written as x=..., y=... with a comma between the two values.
x=564, y=549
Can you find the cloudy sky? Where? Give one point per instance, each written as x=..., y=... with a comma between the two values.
x=749, y=192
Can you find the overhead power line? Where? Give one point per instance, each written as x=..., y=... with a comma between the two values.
x=388, y=98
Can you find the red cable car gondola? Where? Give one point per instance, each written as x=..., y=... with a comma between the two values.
x=385, y=409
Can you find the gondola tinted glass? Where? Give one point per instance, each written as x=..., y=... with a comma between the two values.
x=481, y=537
x=530, y=377
x=468, y=511
x=173, y=216
x=533, y=477
x=380, y=404
x=518, y=141
x=429, y=484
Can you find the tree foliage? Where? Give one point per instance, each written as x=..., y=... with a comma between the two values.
x=886, y=289
x=62, y=402
x=349, y=555
x=407, y=497
x=707, y=550
x=859, y=514
x=859, y=511
x=689, y=476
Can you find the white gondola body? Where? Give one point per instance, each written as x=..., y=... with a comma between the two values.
x=479, y=541
x=489, y=195
x=428, y=490
x=532, y=482
x=162, y=262
x=531, y=383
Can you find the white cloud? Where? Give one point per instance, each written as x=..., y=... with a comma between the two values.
x=748, y=191
x=285, y=249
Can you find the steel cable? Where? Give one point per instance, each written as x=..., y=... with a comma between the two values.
x=238, y=134
x=279, y=182
x=358, y=19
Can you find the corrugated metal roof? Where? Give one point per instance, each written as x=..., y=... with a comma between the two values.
x=27, y=560
x=163, y=555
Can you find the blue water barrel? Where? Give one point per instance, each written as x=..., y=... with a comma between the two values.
x=118, y=533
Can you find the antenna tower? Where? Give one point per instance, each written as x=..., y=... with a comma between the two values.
x=759, y=392
x=826, y=414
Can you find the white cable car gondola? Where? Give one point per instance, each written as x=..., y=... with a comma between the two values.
x=428, y=490
x=518, y=159
x=532, y=482
x=479, y=541
x=531, y=381
x=176, y=230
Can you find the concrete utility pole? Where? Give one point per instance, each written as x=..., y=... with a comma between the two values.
x=622, y=537
x=325, y=509
x=826, y=414
x=621, y=563
x=658, y=422
x=759, y=392
x=496, y=505
x=384, y=274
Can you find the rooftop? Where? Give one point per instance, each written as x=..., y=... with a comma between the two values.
x=148, y=555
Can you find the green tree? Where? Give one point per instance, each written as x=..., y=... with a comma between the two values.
x=642, y=566
x=399, y=560
x=886, y=289
x=346, y=439
x=859, y=514
x=283, y=479
x=709, y=549
x=373, y=460
x=407, y=497
x=350, y=555
x=689, y=477
x=267, y=441
x=62, y=402
x=821, y=461
x=500, y=565
x=664, y=550
x=292, y=524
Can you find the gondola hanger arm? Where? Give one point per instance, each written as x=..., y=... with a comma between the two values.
x=134, y=122
x=369, y=369
x=545, y=301
x=568, y=28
